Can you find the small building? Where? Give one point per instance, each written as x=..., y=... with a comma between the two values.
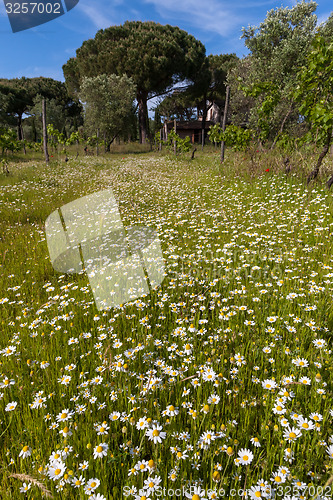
x=191, y=129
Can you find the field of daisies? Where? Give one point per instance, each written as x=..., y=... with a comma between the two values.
x=218, y=384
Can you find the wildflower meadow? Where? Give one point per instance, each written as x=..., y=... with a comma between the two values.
x=217, y=384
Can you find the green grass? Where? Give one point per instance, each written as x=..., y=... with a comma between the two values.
x=247, y=291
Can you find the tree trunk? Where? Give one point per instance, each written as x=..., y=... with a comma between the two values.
x=330, y=182
x=19, y=128
x=97, y=144
x=165, y=130
x=105, y=144
x=22, y=135
x=224, y=123
x=282, y=126
x=143, y=113
x=109, y=142
x=313, y=175
x=203, y=123
x=46, y=153
x=34, y=130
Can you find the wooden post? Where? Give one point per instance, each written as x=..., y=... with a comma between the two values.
x=226, y=106
x=22, y=135
x=174, y=142
x=46, y=153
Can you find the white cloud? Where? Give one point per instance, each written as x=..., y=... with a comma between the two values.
x=96, y=14
x=208, y=16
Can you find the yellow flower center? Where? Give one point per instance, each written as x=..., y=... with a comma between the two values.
x=151, y=463
x=305, y=425
x=156, y=433
x=171, y=408
x=63, y=415
x=99, y=449
x=277, y=479
x=93, y=485
x=292, y=435
x=25, y=449
x=257, y=494
x=245, y=457
x=66, y=430
x=195, y=497
x=57, y=472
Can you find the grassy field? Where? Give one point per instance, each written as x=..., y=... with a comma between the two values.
x=216, y=385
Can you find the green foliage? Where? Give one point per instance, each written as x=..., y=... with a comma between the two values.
x=215, y=133
x=33, y=146
x=108, y=103
x=278, y=48
x=182, y=145
x=287, y=143
x=56, y=138
x=93, y=141
x=209, y=85
x=21, y=92
x=236, y=137
x=314, y=90
x=280, y=43
x=8, y=141
x=63, y=116
x=270, y=94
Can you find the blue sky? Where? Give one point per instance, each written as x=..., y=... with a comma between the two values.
x=217, y=24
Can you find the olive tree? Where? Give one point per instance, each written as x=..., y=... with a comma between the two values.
x=108, y=103
x=314, y=92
